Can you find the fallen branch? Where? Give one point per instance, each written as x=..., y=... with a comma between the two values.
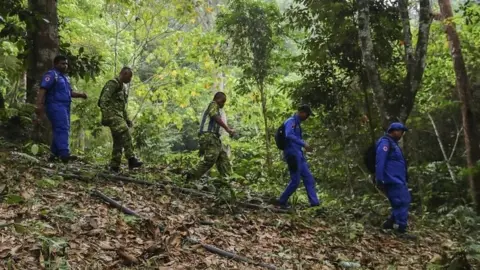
x=162, y=184
x=229, y=255
x=4, y=225
x=188, y=191
x=210, y=248
x=114, y=203
x=26, y=156
x=260, y=207
x=170, y=185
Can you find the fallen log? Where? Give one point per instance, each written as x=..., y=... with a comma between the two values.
x=210, y=248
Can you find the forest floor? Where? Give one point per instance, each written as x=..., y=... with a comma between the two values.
x=48, y=222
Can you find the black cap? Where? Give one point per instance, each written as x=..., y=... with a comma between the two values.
x=306, y=109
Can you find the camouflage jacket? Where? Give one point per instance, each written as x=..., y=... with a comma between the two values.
x=113, y=100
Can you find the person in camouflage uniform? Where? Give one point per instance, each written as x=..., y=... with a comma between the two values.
x=113, y=105
x=209, y=137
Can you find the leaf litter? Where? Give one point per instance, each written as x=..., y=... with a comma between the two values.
x=60, y=226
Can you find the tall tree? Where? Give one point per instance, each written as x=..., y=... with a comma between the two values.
x=42, y=32
x=471, y=136
x=396, y=107
x=252, y=28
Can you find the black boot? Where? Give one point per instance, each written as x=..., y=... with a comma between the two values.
x=68, y=158
x=134, y=163
x=114, y=169
x=388, y=224
x=52, y=158
x=401, y=232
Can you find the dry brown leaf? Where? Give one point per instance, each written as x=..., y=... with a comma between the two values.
x=93, y=223
x=95, y=232
x=41, y=260
x=175, y=240
x=127, y=258
x=105, y=246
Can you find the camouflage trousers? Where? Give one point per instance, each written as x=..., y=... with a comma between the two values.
x=122, y=140
x=212, y=154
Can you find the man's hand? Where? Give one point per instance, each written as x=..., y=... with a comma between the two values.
x=231, y=132
x=79, y=95
x=308, y=148
x=381, y=187
x=39, y=110
x=129, y=123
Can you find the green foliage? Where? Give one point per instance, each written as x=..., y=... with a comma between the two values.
x=49, y=182
x=331, y=60
x=14, y=199
x=182, y=52
x=253, y=29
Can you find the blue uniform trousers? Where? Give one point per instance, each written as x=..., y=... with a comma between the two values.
x=298, y=168
x=400, y=199
x=59, y=116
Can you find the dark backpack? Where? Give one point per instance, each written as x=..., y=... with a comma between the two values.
x=371, y=155
x=280, y=139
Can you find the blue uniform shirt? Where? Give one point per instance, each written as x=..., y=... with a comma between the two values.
x=391, y=166
x=58, y=87
x=293, y=134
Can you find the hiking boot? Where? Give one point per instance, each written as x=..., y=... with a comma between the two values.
x=68, y=158
x=134, y=163
x=52, y=158
x=404, y=235
x=280, y=205
x=114, y=169
x=388, y=224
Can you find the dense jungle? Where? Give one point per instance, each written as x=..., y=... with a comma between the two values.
x=359, y=65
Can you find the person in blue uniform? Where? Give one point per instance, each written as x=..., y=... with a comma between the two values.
x=295, y=158
x=391, y=175
x=54, y=97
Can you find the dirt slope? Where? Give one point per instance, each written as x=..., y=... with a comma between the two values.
x=54, y=223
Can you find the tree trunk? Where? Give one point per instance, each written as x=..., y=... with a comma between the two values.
x=398, y=106
x=42, y=32
x=368, y=56
x=471, y=136
x=267, y=132
x=2, y=101
x=368, y=108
